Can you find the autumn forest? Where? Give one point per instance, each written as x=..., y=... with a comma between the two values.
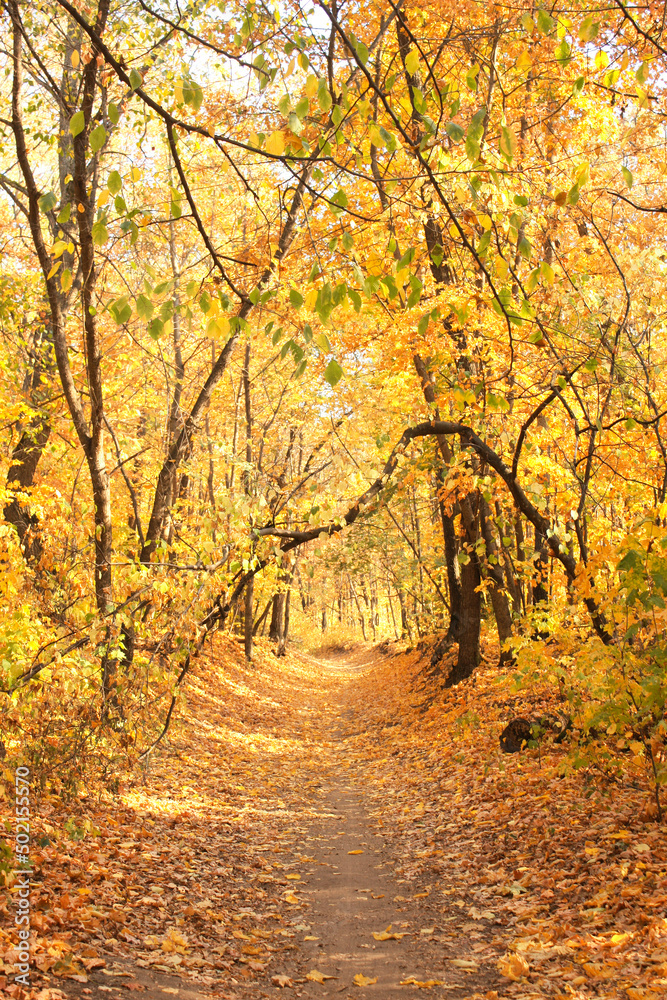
x=333, y=399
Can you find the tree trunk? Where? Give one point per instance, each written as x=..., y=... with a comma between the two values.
x=285, y=629
x=453, y=574
x=248, y=630
x=276, y=626
x=541, y=558
x=28, y=451
x=501, y=608
x=471, y=603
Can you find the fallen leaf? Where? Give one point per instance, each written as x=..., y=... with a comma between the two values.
x=316, y=976
x=355, y=852
x=361, y=980
x=513, y=966
x=294, y=877
x=289, y=897
x=281, y=981
x=388, y=935
x=423, y=984
x=463, y=963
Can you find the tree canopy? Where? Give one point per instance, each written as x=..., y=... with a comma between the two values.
x=350, y=316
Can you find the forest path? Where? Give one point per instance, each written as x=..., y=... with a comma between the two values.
x=351, y=892
x=273, y=835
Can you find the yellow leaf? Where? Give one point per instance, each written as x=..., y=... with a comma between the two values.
x=423, y=984
x=355, y=852
x=178, y=92
x=136, y=174
x=463, y=963
x=310, y=937
x=289, y=897
x=524, y=61
x=513, y=966
x=53, y=269
x=311, y=85
x=103, y=198
x=387, y=935
x=75, y=59
x=361, y=980
x=293, y=876
x=275, y=144
x=316, y=976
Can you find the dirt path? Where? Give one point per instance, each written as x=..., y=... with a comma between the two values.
x=336, y=918
x=374, y=934
x=231, y=869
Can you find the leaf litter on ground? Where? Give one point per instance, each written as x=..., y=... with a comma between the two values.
x=533, y=872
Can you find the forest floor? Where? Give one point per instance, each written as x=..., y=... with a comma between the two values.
x=332, y=826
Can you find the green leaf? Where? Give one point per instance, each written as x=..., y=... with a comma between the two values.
x=47, y=202
x=454, y=131
x=97, y=138
x=562, y=53
x=135, y=79
x=197, y=95
x=302, y=107
x=406, y=259
x=77, y=123
x=322, y=341
x=588, y=29
x=100, y=233
x=484, y=241
x=544, y=22
x=144, y=307
x=629, y=561
x=323, y=96
x=333, y=373
x=642, y=73
x=578, y=85
x=524, y=248
x=507, y=143
x=155, y=328
x=362, y=51
x=475, y=132
x=64, y=214
x=627, y=176
x=296, y=298
x=348, y=241
x=114, y=114
x=114, y=182
x=573, y=195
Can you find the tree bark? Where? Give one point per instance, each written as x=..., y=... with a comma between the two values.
x=248, y=630
x=276, y=626
x=501, y=608
x=471, y=603
x=28, y=451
